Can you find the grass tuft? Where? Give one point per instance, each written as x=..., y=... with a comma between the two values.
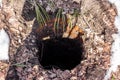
x=41, y=15
x=56, y=23
x=60, y=18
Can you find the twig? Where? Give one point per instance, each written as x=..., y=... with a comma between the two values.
x=85, y=21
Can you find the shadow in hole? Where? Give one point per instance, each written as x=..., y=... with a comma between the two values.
x=63, y=53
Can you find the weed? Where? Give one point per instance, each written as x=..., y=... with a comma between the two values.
x=57, y=20
x=41, y=15
x=19, y=64
x=113, y=78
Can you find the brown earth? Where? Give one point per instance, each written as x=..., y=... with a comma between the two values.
x=96, y=20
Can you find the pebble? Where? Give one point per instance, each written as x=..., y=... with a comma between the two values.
x=19, y=41
x=20, y=28
x=23, y=35
x=33, y=41
x=73, y=78
x=36, y=67
x=66, y=74
x=14, y=30
x=53, y=75
x=40, y=78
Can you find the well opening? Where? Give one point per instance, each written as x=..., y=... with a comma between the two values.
x=63, y=53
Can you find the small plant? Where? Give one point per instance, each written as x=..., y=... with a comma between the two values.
x=19, y=65
x=75, y=15
x=60, y=18
x=57, y=20
x=64, y=20
x=41, y=15
x=60, y=21
x=113, y=78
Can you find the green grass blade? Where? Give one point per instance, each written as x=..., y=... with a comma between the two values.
x=47, y=18
x=38, y=15
x=19, y=65
x=56, y=23
x=64, y=21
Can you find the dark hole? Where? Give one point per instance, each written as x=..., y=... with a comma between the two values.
x=63, y=53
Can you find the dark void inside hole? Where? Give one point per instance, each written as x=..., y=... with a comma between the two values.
x=63, y=53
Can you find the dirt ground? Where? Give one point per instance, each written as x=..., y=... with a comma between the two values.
x=96, y=20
